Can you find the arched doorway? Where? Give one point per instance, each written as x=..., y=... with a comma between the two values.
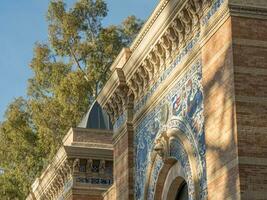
x=182, y=193
x=179, y=176
x=178, y=190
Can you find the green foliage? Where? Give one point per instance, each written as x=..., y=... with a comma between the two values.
x=68, y=73
x=19, y=154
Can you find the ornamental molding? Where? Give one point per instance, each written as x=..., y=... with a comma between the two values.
x=165, y=154
x=167, y=32
x=117, y=102
x=67, y=169
x=149, y=24
x=118, y=94
x=175, y=128
x=250, y=11
x=62, y=175
x=53, y=180
x=114, y=97
x=177, y=34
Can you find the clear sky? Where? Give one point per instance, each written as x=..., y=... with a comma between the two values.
x=22, y=23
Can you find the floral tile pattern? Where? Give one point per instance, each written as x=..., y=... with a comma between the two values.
x=185, y=100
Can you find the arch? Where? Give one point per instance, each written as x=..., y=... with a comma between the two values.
x=183, y=166
x=182, y=191
x=173, y=182
x=173, y=144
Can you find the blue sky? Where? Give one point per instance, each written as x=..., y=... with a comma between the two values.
x=23, y=23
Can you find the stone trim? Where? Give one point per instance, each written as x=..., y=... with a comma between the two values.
x=243, y=160
x=176, y=36
x=177, y=33
x=250, y=11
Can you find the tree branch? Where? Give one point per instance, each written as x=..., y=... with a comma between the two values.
x=78, y=64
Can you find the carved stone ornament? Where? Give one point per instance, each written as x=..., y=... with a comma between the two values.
x=76, y=165
x=63, y=174
x=161, y=146
x=117, y=102
x=180, y=30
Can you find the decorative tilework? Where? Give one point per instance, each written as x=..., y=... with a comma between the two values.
x=94, y=181
x=184, y=101
x=140, y=104
x=119, y=122
x=215, y=6
x=153, y=180
x=178, y=152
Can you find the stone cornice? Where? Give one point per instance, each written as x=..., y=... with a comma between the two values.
x=94, y=152
x=79, y=143
x=183, y=24
x=116, y=79
x=261, y=4
x=250, y=10
x=114, y=95
x=167, y=31
x=121, y=59
x=52, y=180
x=149, y=23
x=82, y=136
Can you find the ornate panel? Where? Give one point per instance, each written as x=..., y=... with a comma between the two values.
x=178, y=152
x=184, y=101
x=184, y=104
x=152, y=182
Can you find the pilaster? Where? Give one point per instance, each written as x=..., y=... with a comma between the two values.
x=249, y=32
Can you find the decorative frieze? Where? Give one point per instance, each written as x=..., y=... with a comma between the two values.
x=73, y=169
x=115, y=105
x=214, y=7
x=164, y=75
x=94, y=181
x=180, y=31
x=80, y=156
x=178, y=38
x=63, y=174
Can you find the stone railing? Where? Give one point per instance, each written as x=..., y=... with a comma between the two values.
x=59, y=179
x=63, y=175
x=53, y=180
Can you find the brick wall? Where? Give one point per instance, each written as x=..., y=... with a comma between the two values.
x=250, y=72
x=92, y=135
x=123, y=165
x=219, y=113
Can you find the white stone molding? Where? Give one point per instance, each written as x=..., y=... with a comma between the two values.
x=174, y=179
x=181, y=29
x=177, y=33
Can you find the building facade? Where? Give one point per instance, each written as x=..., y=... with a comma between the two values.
x=83, y=166
x=188, y=103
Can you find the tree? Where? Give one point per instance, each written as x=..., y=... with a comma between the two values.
x=68, y=72
x=19, y=155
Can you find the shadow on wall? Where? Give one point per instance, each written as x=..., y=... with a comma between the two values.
x=220, y=115
x=220, y=118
